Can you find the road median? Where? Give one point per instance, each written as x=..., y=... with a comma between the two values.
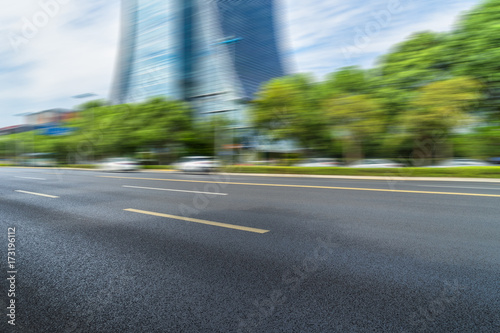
x=408, y=173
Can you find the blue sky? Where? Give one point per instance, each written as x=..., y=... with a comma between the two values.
x=54, y=49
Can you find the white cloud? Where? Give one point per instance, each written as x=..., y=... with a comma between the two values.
x=322, y=36
x=65, y=57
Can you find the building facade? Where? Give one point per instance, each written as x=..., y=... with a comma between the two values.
x=49, y=117
x=214, y=54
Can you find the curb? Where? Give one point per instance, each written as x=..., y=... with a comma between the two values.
x=385, y=178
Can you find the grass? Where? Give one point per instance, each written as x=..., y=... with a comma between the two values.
x=157, y=167
x=76, y=166
x=459, y=172
x=462, y=172
x=79, y=166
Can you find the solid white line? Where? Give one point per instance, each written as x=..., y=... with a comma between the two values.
x=40, y=194
x=475, y=188
x=30, y=178
x=166, y=189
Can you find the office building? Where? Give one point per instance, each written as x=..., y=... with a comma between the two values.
x=214, y=54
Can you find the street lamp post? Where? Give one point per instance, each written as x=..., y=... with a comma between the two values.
x=87, y=96
x=16, y=152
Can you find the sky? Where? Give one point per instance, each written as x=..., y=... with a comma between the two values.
x=51, y=50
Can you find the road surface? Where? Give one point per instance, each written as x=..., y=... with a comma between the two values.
x=168, y=252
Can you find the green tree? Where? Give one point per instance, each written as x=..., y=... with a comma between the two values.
x=439, y=108
x=482, y=143
x=415, y=62
x=289, y=108
x=357, y=119
x=474, y=51
x=347, y=80
x=103, y=131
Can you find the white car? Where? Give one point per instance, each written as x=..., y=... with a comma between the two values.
x=119, y=164
x=375, y=163
x=460, y=162
x=197, y=164
x=319, y=162
x=40, y=162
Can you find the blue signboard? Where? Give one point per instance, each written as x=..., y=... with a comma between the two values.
x=57, y=131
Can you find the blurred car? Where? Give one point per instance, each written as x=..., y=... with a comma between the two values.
x=262, y=162
x=39, y=162
x=460, y=162
x=319, y=162
x=197, y=164
x=375, y=163
x=494, y=160
x=119, y=164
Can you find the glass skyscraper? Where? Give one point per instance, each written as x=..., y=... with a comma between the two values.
x=214, y=54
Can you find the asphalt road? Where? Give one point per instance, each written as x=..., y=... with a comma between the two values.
x=166, y=252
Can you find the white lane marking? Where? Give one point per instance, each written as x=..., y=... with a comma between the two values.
x=475, y=188
x=30, y=178
x=166, y=189
x=39, y=194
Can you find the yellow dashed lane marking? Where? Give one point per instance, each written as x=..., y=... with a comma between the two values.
x=310, y=186
x=188, y=219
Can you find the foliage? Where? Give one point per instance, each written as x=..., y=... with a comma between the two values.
x=441, y=106
x=348, y=80
x=289, y=108
x=102, y=131
x=357, y=118
x=416, y=62
x=484, y=142
x=422, y=98
x=474, y=50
